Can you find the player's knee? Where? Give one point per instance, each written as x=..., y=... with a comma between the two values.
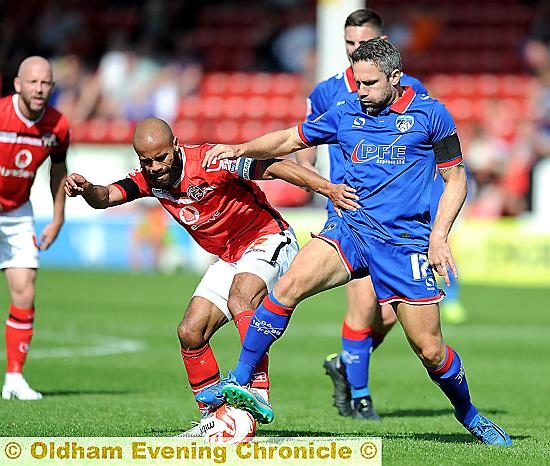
x=237, y=304
x=432, y=354
x=190, y=336
x=290, y=289
x=23, y=297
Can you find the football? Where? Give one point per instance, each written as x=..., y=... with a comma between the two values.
x=228, y=425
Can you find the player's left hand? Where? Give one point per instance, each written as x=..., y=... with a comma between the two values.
x=219, y=152
x=439, y=256
x=48, y=235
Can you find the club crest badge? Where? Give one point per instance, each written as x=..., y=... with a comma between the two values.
x=404, y=123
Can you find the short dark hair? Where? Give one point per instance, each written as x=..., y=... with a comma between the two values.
x=381, y=53
x=365, y=16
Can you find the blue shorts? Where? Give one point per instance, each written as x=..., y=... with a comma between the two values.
x=398, y=272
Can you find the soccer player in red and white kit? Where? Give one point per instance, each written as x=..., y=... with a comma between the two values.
x=229, y=216
x=30, y=132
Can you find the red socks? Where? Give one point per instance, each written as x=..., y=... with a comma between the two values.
x=19, y=330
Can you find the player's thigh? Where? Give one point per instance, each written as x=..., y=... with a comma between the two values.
x=201, y=320
x=317, y=267
x=363, y=304
x=247, y=292
x=261, y=265
x=216, y=283
x=422, y=328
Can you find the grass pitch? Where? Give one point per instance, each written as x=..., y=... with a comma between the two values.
x=106, y=356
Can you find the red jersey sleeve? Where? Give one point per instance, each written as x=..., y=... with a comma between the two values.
x=63, y=133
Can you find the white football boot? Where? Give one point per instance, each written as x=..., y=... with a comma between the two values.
x=16, y=388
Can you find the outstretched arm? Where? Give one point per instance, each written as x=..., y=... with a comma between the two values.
x=265, y=147
x=341, y=195
x=452, y=199
x=97, y=196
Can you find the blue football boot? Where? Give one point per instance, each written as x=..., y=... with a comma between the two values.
x=488, y=432
x=212, y=396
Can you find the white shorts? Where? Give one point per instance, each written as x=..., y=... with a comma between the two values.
x=268, y=260
x=17, y=239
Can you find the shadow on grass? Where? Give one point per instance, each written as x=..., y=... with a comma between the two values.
x=83, y=392
x=431, y=412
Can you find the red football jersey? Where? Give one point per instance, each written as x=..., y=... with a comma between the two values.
x=222, y=211
x=24, y=145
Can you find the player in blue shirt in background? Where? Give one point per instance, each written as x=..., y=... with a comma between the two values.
x=392, y=139
x=366, y=323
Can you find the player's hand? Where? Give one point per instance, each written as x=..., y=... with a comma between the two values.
x=343, y=197
x=74, y=184
x=48, y=235
x=440, y=256
x=219, y=152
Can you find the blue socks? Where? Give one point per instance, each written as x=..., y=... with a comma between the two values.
x=357, y=348
x=267, y=325
x=450, y=377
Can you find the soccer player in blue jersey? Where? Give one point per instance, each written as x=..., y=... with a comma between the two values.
x=366, y=323
x=392, y=139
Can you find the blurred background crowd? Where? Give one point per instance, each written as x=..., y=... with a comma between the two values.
x=224, y=71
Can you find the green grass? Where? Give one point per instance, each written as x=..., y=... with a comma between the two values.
x=504, y=347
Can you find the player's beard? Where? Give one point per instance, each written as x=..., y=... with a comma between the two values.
x=34, y=108
x=375, y=107
x=174, y=172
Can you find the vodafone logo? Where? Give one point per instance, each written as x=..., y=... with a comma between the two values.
x=23, y=158
x=189, y=215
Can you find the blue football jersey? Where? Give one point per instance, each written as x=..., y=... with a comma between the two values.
x=335, y=91
x=389, y=160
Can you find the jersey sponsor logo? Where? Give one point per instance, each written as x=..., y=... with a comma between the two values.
x=389, y=154
x=212, y=218
x=404, y=122
x=189, y=215
x=359, y=122
x=23, y=158
x=17, y=173
x=11, y=137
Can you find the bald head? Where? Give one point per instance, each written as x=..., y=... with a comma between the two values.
x=151, y=133
x=34, y=84
x=35, y=63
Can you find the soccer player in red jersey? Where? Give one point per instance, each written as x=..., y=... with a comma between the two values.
x=229, y=216
x=30, y=132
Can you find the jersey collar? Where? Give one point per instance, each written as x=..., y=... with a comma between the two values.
x=349, y=80
x=402, y=104
x=23, y=118
x=183, y=160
